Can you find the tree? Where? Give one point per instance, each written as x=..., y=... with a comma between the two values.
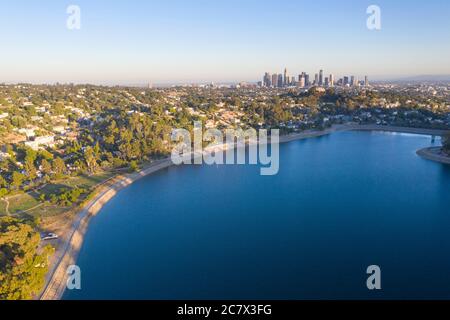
x=59, y=167
x=17, y=179
x=30, y=169
x=97, y=150
x=22, y=268
x=3, y=182
x=44, y=154
x=30, y=158
x=90, y=159
x=134, y=166
x=46, y=167
x=3, y=192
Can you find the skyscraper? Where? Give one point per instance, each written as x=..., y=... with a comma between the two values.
x=286, y=79
x=274, y=80
x=366, y=81
x=345, y=80
x=327, y=82
x=302, y=75
x=301, y=82
x=280, y=80
x=331, y=80
x=307, y=83
x=267, y=81
x=321, y=78
x=316, y=79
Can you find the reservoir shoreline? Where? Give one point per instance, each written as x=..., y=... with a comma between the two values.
x=67, y=252
x=434, y=154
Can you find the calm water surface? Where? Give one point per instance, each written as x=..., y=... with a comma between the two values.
x=339, y=204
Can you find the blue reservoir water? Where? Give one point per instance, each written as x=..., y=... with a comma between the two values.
x=339, y=204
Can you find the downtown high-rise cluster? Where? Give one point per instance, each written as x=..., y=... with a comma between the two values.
x=304, y=80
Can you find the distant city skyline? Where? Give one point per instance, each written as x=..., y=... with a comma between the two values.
x=177, y=42
x=303, y=79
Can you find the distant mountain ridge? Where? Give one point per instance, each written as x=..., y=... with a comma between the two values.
x=443, y=77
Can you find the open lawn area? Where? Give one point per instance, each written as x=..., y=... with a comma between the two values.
x=22, y=202
x=82, y=182
x=31, y=204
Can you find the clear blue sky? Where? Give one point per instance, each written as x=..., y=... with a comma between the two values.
x=167, y=41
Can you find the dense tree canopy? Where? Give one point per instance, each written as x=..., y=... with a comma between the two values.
x=22, y=265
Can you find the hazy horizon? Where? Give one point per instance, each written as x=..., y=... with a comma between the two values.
x=419, y=78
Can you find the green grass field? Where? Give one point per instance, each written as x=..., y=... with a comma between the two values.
x=85, y=182
x=26, y=202
x=22, y=202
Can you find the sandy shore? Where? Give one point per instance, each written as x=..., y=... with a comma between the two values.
x=70, y=244
x=434, y=154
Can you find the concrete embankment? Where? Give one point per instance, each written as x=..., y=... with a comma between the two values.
x=431, y=132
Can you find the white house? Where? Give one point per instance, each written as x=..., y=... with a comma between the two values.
x=47, y=141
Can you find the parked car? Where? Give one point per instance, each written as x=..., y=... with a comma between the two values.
x=49, y=236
